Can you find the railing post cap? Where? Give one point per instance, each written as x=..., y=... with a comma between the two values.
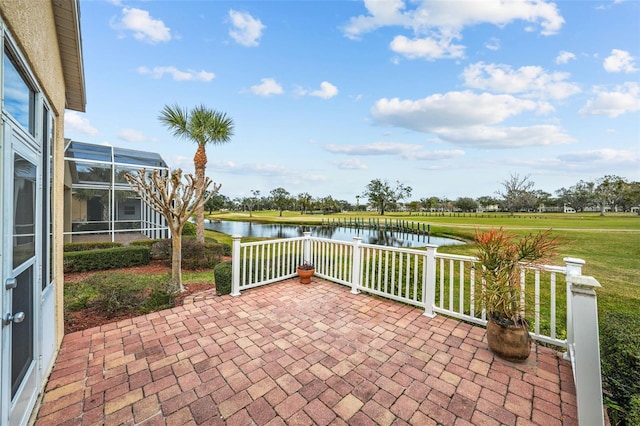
x=584, y=281
x=236, y=237
x=307, y=233
x=574, y=260
x=357, y=239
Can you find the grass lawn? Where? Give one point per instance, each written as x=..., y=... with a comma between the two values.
x=610, y=245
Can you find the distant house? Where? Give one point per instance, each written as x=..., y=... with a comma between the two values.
x=489, y=208
x=99, y=202
x=42, y=75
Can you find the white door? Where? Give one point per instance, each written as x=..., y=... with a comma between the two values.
x=21, y=219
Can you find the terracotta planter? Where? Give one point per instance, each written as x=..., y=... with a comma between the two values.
x=305, y=275
x=512, y=343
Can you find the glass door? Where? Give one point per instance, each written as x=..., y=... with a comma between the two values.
x=21, y=216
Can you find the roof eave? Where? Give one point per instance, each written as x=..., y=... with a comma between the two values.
x=67, y=18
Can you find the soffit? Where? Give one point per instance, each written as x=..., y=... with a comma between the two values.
x=67, y=17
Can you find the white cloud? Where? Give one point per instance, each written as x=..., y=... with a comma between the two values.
x=278, y=175
x=436, y=23
x=351, y=164
x=532, y=81
x=564, y=57
x=427, y=48
x=144, y=27
x=442, y=14
x=622, y=100
x=452, y=109
x=176, y=74
x=182, y=162
x=437, y=155
x=406, y=151
x=610, y=157
x=619, y=61
x=246, y=30
x=267, y=87
x=505, y=137
x=468, y=119
x=376, y=148
x=381, y=13
x=74, y=121
x=493, y=44
x=326, y=91
x=131, y=135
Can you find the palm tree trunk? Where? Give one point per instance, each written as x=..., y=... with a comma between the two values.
x=199, y=162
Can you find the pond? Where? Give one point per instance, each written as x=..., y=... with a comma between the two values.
x=369, y=236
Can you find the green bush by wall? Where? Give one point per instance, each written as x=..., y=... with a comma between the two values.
x=620, y=356
x=222, y=277
x=195, y=255
x=189, y=228
x=145, y=243
x=93, y=260
x=89, y=246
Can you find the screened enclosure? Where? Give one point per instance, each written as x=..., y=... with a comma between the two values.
x=99, y=203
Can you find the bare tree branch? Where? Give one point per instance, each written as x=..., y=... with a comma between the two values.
x=176, y=201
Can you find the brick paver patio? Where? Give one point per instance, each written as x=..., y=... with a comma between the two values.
x=299, y=355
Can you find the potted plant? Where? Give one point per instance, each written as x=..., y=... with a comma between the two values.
x=502, y=255
x=305, y=272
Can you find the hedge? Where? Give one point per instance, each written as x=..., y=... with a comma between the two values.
x=93, y=260
x=195, y=255
x=620, y=357
x=95, y=245
x=145, y=243
x=222, y=277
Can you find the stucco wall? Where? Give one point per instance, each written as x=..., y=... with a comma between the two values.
x=32, y=27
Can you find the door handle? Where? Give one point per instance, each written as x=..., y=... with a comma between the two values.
x=10, y=283
x=17, y=318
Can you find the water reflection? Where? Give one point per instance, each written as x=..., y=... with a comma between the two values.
x=369, y=236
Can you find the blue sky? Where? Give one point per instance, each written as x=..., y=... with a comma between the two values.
x=448, y=97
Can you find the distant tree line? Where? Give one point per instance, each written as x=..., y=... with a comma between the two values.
x=516, y=194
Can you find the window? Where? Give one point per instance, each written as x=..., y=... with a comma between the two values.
x=48, y=244
x=19, y=97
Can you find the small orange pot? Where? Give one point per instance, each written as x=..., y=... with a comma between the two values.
x=305, y=275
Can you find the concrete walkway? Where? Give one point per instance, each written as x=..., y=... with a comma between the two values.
x=299, y=354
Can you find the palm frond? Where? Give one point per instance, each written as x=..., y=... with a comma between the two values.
x=176, y=119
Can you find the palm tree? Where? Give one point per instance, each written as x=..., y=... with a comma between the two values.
x=202, y=126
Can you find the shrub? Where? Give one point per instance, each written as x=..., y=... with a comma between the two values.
x=194, y=255
x=226, y=249
x=95, y=245
x=161, y=250
x=222, y=277
x=93, y=260
x=620, y=356
x=633, y=415
x=189, y=228
x=145, y=243
x=197, y=255
x=122, y=293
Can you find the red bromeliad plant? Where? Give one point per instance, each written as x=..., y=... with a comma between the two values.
x=501, y=255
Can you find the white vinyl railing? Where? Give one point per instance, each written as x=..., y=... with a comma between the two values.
x=558, y=301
